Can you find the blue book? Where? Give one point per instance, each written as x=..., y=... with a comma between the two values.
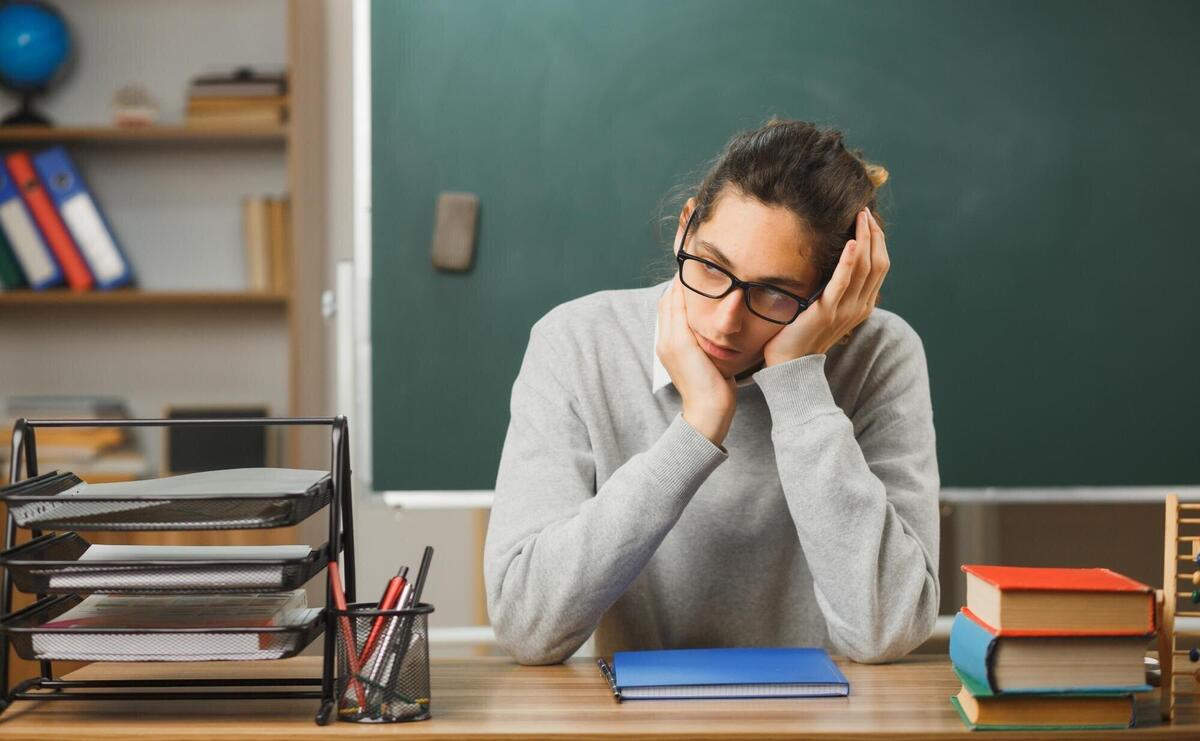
x=25, y=239
x=88, y=227
x=988, y=664
x=724, y=673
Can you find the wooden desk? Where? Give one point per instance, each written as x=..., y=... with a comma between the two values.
x=494, y=698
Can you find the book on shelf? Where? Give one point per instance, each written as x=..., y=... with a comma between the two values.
x=83, y=218
x=49, y=222
x=241, y=97
x=53, y=227
x=241, y=82
x=235, y=117
x=95, y=454
x=11, y=275
x=38, y=267
x=267, y=241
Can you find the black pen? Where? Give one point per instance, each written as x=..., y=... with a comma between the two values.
x=426, y=557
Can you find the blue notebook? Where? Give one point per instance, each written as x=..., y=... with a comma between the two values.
x=724, y=672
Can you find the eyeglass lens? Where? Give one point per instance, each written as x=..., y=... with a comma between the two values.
x=713, y=283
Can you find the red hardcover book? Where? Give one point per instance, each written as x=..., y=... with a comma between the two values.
x=66, y=252
x=1031, y=601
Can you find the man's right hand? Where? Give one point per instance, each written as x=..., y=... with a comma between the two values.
x=709, y=398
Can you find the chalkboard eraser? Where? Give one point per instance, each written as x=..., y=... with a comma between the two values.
x=454, y=231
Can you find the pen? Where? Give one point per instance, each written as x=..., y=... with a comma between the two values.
x=391, y=597
x=372, y=671
x=422, y=572
x=401, y=646
x=339, y=602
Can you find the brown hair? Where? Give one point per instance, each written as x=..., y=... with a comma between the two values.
x=805, y=169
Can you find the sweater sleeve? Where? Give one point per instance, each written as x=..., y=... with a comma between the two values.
x=863, y=495
x=559, y=552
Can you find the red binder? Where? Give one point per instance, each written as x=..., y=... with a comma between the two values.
x=66, y=252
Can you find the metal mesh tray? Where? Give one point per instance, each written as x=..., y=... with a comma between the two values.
x=50, y=565
x=43, y=502
x=33, y=642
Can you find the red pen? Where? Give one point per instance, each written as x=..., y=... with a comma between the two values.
x=339, y=601
x=391, y=596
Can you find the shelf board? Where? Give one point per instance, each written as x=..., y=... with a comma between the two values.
x=135, y=134
x=59, y=297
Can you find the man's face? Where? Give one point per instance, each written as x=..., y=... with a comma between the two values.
x=754, y=242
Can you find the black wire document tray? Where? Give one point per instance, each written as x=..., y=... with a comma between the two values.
x=33, y=640
x=241, y=498
x=100, y=602
x=68, y=564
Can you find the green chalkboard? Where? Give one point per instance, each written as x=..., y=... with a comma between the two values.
x=1043, y=159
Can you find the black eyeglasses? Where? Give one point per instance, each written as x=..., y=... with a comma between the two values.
x=713, y=281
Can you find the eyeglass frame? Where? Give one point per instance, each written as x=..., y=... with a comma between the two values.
x=735, y=283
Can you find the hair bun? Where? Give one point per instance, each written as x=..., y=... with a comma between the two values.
x=877, y=173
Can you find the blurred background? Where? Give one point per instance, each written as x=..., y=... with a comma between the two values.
x=272, y=171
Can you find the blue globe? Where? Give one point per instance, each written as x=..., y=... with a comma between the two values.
x=34, y=45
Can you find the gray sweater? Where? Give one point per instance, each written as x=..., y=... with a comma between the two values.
x=816, y=526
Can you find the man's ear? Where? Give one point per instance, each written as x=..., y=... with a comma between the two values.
x=684, y=215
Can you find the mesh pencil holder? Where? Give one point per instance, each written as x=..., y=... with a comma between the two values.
x=382, y=663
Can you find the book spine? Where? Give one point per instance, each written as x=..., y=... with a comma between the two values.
x=10, y=271
x=971, y=649
x=254, y=229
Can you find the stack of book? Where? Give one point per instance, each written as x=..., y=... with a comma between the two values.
x=267, y=240
x=52, y=231
x=242, y=97
x=95, y=454
x=1050, y=648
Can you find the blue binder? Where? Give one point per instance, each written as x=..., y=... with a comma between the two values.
x=26, y=240
x=82, y=216
x=725, y=673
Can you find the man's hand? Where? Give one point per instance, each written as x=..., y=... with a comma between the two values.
x=709, y=398
x=844, y=304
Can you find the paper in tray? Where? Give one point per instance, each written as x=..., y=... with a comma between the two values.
x=39, y=632
x=67, y=563
x=240, y=498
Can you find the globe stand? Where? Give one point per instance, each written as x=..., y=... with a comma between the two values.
x=25, y=115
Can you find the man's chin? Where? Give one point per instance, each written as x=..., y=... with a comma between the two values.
x=736, y=368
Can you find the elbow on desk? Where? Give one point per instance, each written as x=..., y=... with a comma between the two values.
x=528, y=640
x=528, y=649
x=895, y=635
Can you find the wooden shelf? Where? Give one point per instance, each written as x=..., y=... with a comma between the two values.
x=176, y=133
x=59, y=297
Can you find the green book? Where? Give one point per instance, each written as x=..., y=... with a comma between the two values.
x=11, y=275
x=1040, y=727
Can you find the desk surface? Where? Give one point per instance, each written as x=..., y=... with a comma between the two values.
x=494, y=698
